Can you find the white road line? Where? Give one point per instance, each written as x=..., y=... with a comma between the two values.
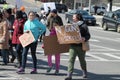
x=107, y=39
x=111, y=55
x=103, y=47
x=97, y=57
x=94, y=40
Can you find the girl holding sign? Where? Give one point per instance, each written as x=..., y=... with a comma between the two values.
x=76, y=49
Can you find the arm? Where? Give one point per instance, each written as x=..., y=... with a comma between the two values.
x=5, y=28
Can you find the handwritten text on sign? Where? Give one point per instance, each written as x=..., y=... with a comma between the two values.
x=68, y=34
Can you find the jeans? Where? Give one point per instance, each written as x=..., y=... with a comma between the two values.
x=19, y=50
x=33, y=47
x=4, y=53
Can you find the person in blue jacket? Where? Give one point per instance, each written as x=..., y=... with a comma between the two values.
x=37, y=28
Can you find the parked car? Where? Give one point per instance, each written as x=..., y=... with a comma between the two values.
x=61, y=8
x=89, y=19
x=111, y=20
x=100, y=10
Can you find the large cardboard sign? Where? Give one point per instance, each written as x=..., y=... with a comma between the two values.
x=26, y=39
x=68, y=34
x=52, y=46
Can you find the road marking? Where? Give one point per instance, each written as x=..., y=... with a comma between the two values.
x=97, y=57
x=107, y=39
x=94, y=40
x=103, y=47
x=111, y=55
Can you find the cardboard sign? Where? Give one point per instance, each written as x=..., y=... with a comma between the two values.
x=26, y=39
x=51, y=46
x=68, y=34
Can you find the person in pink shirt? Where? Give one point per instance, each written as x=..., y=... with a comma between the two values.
x=57, y=56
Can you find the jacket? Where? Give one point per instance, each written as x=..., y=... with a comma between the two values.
x=18, y=30
x=36, y=27
x=4, y=35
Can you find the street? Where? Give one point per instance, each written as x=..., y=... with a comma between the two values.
x=103, y=59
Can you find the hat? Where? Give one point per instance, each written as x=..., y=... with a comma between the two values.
x=22, y=8
x=54, y=11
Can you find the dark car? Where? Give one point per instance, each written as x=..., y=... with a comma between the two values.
x=111, y=20
x=61, y=8
x=2, y=1
x=90, y=20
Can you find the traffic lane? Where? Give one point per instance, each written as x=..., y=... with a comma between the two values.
x=108, y=40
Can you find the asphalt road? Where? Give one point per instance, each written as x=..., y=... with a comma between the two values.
x=103, y=59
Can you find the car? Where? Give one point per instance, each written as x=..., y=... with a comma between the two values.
x=111, y=20
x=62, y=8
x=89, y=19
x=100, y=10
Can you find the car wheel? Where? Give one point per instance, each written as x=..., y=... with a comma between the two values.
x=105, y=27
x=67, y=20
x=118, y=29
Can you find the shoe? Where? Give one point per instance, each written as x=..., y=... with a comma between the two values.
x=21, y=71
x=34, y=71
x=49, y=69
x=68, y=78
x=56, y=72
x=84, y=74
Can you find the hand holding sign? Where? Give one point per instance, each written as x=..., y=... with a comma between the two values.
x=26, y=38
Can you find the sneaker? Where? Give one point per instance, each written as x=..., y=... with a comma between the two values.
x=56, y=72
x=68, y=78
x=21, y=71
x=49, y=69
x=34, y=71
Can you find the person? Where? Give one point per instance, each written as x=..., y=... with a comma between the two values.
x=18, y=31
x=37, y=28
x=4, y=38
x=57, y=21
x=95, y=9
x=76, y=49
x=22, y=8
x=10, y=19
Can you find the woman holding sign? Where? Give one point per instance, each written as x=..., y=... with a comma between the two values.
x=76, y=49
x=37, y=28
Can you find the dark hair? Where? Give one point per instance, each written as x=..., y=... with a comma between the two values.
x=1, y=16
x=9, y=11
x=19, y=14
x=79, y=17
x=32, y=12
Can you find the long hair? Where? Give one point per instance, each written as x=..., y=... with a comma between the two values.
x=19, y=15
x=79, y=17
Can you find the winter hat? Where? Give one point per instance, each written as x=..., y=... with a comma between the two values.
x=54, y=11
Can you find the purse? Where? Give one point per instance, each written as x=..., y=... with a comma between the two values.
x=85, y=46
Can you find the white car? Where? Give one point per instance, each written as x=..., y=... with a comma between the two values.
x=100, y=10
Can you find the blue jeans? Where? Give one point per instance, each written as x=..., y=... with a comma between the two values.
x=4, y=53
x=33, y=47
x=19, y=50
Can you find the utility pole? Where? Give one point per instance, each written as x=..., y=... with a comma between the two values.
x=89, y=6
x=74, y=4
